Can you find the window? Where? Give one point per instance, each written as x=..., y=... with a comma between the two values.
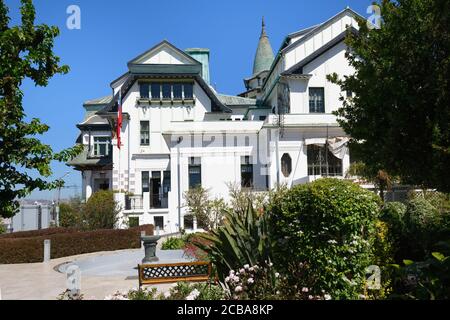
x=188, y=91
x=159, y=223
x=144, y=89
x=316, y=100
x=286, y=165
x=322, y=162
x=166, y=91
x=246, y=172
x=195, y=172
x=177, y=91
x=145, y=133
x=145, y=181
x=101, y=146
x=156, y=91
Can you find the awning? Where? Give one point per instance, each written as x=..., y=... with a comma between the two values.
x=337, y=146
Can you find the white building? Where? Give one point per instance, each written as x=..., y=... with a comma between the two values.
x=179, y=132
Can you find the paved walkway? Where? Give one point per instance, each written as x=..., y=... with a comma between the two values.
x=42, y=281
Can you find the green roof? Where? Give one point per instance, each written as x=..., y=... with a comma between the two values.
x=264, y=54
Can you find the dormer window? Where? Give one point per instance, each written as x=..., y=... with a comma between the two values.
x=166, y=91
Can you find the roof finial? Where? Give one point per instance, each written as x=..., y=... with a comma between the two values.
x=263, y=30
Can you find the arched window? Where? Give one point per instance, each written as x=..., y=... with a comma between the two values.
x=286, y=165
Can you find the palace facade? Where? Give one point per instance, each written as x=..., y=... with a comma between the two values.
x=178, y=132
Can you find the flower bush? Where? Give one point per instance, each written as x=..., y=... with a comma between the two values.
x=328, y=227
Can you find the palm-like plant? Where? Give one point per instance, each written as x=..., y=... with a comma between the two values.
x=243, y=239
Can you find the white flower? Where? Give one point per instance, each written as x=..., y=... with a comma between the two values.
x=332, y=241
x=304, y=289
x=251, y=269
x=277, y=274
x=238, y=289
x=193, y=295
x=271, y=264
x=166, y=295
x=246, y=267
x=310, y=297
x=227, y=279
x=278, y=293
x=327, y=297
x=242, y=271
x=236, y=279
x=231, y=272
x=250, y=281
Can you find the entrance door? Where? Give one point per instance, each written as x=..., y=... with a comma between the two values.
x=155, y=190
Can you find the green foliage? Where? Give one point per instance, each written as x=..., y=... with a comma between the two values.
x=2, y=228
x=209, y=213
x=326, y=227
x=101, y=211
x=26, y=52
x=142, y=294
x=173, y=243
x=399, y=116
x=70, y=213
x=425, y=280
x=243, y=239
x=198, y=291
x=240, y=197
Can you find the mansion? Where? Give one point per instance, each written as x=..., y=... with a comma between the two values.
x=178, y=132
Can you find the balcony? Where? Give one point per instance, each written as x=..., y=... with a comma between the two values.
x=134, y=202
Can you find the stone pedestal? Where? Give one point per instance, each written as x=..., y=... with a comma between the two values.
x=150, y=243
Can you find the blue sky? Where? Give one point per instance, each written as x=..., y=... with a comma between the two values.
x=113, y=32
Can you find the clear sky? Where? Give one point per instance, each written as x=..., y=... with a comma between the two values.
x=113, y=32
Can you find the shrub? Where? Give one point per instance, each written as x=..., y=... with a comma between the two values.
x=208, y=213
x=67, y=242
x=327, y=227
x=243, y=239
x=173, y=243
x=70, y=213
x=197, y=291
x=101, y=211
x=2, y=229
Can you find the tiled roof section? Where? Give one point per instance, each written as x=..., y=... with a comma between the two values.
x=99, y=101
x=236, y=101
x=83, y=160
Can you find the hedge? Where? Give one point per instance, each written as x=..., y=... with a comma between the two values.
x=67, y=242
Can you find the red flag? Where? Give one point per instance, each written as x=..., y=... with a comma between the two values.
x=119, y=120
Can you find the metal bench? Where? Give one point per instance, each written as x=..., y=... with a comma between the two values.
x=174, y=272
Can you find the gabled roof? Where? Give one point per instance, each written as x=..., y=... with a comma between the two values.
x=215, y=102
x=321, y=26
x=160, y=45
x=298, y=67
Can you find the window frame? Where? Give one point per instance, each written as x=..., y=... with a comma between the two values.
x=315, y=108
x=96, y=147
x=247, y=170
x=317, y=162
x=141, y=132
x=194, y=163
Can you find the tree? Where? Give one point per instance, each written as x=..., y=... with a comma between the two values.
x=25, y=52
x=399, y=115
x=101, y=211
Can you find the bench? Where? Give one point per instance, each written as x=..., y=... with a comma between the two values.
x=174, y=272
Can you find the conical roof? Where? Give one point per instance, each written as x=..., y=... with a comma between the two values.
x=264, y=54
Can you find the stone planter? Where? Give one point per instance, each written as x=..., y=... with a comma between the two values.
x=150, y=243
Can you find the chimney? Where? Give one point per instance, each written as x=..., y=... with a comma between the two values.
x=202, y=56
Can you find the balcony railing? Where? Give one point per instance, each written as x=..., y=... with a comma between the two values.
x=134, y=203
x=158, y=201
